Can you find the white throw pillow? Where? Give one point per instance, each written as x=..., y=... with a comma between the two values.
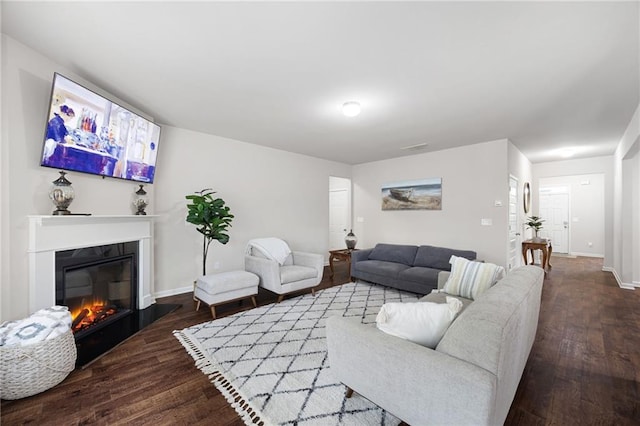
x=423, y=323
x=470, y=279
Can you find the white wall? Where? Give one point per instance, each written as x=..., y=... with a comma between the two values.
x=570, y=171
x=473, y=178
x=26, y=86
x=586, y=211
x=4, y=181
x=626, y=236
x=270, y=193
x=635, y=217
x=520, y=167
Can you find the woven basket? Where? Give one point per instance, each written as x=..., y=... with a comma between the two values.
x=28, y=370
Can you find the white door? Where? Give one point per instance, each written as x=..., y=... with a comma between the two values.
x=554, y=209
x=338, y=218
x=514, y=234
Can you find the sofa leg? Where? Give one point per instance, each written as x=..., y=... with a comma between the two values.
x=349, y=392
x=313, y=292
x=197, y=304
x=280, y=298
x=253, y=300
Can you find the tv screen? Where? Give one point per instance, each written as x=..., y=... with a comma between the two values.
x=88, y=133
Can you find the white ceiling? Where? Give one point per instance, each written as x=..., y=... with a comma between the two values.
x=544, y=75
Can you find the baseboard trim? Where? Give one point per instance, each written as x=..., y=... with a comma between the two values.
x=174, y=291
x=147, y=301
x=573, y=253
x=626, y=286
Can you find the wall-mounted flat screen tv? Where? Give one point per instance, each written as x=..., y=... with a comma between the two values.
x=88, y=133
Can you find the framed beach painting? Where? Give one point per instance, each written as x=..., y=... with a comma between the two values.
x=423, y=194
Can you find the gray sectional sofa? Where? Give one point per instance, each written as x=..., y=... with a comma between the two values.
x=406, y=267
x=470, y=378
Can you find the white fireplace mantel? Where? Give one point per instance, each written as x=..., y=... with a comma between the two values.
x=49, y=234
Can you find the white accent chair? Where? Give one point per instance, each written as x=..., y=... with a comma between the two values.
x=298, y=271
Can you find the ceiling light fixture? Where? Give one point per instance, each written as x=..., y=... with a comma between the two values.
x=567, y=152
x=351, y=109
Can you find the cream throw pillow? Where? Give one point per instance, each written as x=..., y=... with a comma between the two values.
x=470, y=279
x=423, y=323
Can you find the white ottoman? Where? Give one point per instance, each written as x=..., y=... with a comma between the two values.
x=216, y=289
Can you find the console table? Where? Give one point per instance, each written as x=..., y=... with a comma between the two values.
x=343, y=255
x=542, y=244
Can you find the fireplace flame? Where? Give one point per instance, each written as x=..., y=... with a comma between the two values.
x=90, y=313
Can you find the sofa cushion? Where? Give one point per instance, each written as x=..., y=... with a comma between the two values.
x=293, y=273
x=423, y=323
x=438, y=257
x=394, y=253
x=419, y=275
x=380, y=267
x=470, y=279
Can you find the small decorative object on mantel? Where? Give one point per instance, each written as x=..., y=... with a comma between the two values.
x=535, y=223
x=140, y=200
x=351, y=240
x=62, y=195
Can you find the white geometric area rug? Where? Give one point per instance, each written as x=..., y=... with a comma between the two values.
x=271, y=362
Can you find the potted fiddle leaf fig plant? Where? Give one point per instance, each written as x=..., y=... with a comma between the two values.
x=535, y=223
x=211, y=217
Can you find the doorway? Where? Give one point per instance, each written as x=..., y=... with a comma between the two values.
x=554, y=208
x=339, y=211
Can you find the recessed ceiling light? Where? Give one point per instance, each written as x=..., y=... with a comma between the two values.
x=567, y=152
x=351, y=109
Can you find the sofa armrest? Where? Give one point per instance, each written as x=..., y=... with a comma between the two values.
x=312, y=260
x=417, y=384
x=266, y=269
x=359, y=255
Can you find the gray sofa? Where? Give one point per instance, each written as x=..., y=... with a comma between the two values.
x=470, y=378
x=406, y=267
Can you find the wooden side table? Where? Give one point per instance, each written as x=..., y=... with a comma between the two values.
x=542, y=244
x=343, y=255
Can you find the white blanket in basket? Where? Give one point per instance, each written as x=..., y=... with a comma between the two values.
x=45, y=324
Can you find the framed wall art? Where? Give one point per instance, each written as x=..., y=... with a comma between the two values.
x=423, y=194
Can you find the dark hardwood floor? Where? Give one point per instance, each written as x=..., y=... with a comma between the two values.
x=584, y=367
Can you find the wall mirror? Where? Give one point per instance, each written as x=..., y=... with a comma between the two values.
x=527, y=197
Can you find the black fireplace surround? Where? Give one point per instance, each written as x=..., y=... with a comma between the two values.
x=104, y=278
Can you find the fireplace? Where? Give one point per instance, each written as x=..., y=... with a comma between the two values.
x=98, y=284
x=101, y=263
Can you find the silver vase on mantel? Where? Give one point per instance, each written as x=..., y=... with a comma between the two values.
x=62, y=194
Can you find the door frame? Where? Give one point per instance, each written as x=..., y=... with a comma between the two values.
x=514, y=260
